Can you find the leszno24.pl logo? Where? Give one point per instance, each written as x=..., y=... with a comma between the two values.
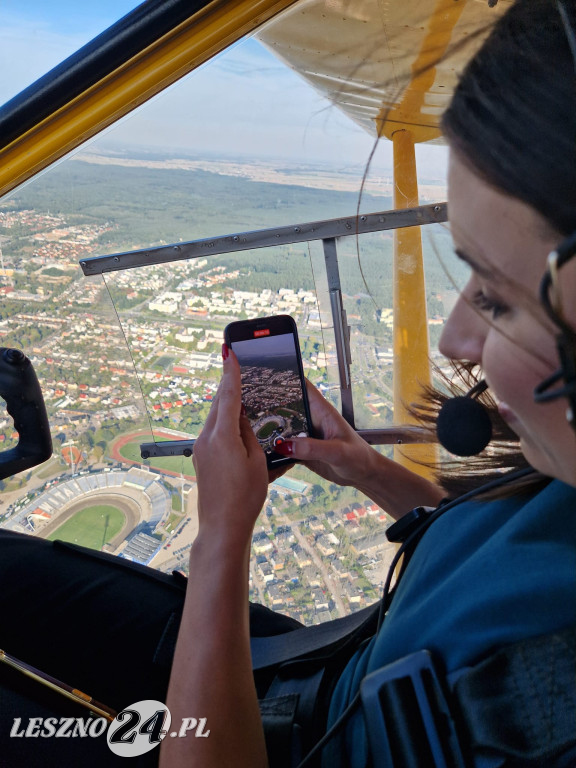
x=134, y=731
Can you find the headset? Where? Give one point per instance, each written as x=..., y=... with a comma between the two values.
x=550, y=294
x=550, y=298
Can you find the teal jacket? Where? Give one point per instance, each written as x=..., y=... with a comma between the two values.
x=484, y=575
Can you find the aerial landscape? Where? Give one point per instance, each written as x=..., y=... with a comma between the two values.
x=135, y=356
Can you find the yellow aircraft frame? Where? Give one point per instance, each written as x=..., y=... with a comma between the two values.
x=183, y=49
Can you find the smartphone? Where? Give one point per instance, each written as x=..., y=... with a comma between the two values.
x=273, y=386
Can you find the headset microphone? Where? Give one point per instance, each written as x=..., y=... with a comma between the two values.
x=463, y=426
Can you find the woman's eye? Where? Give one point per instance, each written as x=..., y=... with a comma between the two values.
x=486, y=304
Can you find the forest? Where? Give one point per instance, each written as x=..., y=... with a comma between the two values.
x=147, y=207
x=157, y=206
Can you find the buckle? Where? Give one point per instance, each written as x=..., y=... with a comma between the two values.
x=399, y=531
x=407, y=716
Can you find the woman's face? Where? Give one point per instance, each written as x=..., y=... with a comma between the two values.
x=498, y=322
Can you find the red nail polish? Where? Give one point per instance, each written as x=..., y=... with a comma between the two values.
x=243, y=410
x=286, y=448
x=225, y=352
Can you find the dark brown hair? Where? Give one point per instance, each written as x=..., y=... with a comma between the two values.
x=513, y=113
x=513, y=120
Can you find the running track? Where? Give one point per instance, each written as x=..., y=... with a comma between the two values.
x=124, y=439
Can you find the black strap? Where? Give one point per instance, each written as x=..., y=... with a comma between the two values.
x=521, y=702
x=306, y=663
x=519, y=705
x=278, y=715
x=271, y=651
x=290, y=737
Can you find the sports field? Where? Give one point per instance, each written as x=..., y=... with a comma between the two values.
x=91, y=527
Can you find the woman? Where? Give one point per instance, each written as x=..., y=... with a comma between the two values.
x=487, y=573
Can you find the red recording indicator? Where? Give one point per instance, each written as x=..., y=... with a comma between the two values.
x=263, y=332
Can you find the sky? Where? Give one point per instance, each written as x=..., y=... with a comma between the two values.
x=36, y=35
x=245, y=103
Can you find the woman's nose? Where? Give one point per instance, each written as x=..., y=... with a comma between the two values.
x=464, y=333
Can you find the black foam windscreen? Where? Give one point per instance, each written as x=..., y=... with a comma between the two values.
x=463, y=426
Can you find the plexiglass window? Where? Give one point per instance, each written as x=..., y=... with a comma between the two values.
x=242, y=144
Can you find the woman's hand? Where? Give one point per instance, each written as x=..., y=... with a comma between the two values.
x=230, y=464
x=340, y=455
x=343, y=457
x=212, y=667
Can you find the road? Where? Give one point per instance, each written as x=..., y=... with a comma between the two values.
x=258, y=583
x=177, y=554
x=332, y=583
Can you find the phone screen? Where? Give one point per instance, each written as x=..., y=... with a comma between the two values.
x=272, y=389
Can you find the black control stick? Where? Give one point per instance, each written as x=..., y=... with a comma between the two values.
x=24, y=402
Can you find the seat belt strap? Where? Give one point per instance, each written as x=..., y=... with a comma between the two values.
x=269, y=651
x=521, y=701
x=408, y=717
x=278, y=721
x=297, y=736
x=306, y=663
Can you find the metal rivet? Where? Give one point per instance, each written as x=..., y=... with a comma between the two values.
x=82, y=264
x=296, y=229
x=116, y=258
x=363, y=218
x=437, y=208
x=235, y=238
x=348, y=225
x=176, y=247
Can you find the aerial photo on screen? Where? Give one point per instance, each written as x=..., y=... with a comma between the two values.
x=271, y=389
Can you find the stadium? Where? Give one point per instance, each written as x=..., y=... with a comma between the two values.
x=117, y=511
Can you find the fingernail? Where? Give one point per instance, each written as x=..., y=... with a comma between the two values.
x=286, y=448
x=225, y=352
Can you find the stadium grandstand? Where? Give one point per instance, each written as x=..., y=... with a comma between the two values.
x=141, y=489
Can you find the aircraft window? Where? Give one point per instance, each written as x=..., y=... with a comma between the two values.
x=179, y=169
x=367, y=287
x=35, y=36
x=174, y=323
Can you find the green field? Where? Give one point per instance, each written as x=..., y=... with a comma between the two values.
x=131, y=451
x=164, y=362
x=52, y=466
x=267, y=430
x=91, y=527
